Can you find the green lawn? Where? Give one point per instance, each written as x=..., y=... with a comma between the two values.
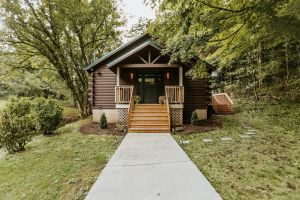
x=2, y=103
x=70, y=111
x=63, y=166
x=266, y=166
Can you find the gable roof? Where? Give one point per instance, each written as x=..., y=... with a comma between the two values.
x=122, y=57
x=130, y=48
x=115, y=51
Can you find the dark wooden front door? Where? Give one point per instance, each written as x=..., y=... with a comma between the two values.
x=150, y=86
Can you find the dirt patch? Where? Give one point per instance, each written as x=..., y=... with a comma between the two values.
x=204, y=126
x=93, y=128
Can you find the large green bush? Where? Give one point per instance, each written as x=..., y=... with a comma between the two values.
x=16, y=124
x=48, y=113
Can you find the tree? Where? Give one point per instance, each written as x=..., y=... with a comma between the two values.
x=138, y=28
x=66, y=35
x=246, y=40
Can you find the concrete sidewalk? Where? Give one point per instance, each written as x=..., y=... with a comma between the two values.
x=149, y=167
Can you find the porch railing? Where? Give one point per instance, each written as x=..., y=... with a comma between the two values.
x=221, y=99
x=167, y=106
x=123, y=93
x=175, y=94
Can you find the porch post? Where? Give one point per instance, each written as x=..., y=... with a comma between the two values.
x=118, y=76
x=180, y=76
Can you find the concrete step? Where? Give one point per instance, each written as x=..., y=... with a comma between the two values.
x=149, y=130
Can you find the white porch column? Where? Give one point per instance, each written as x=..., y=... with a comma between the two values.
x=180, y=76
x=118, y=76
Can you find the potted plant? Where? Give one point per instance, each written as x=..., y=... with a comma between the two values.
x=162, y=99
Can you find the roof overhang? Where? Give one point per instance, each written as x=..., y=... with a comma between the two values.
x=129, y=53
x=115, y=51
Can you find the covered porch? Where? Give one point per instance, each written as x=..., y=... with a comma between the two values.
x=146, y=85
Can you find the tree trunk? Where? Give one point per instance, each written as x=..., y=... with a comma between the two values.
x=255, y=88
x=298, y=61
x=259, y=65
x=287, y=62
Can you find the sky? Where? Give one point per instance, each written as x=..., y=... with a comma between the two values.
x=135, y=9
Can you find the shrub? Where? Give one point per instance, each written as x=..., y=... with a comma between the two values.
x=48, y=113
x=194, y=118
x=103, y=121
x=16, y=124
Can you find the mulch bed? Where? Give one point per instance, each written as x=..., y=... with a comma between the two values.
x=207, y=125
x=92, y=128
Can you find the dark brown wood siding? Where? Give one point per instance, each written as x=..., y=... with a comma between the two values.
x=197, y=93
x=196, y=96
x=104, y=88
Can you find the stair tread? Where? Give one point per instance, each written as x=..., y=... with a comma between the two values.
x=149, y=118
x=148, y=129
x=134, y=124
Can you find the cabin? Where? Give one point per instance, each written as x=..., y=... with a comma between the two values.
x=136, y=87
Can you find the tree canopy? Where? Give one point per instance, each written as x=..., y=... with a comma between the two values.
x=60, y=35
x=254, y=44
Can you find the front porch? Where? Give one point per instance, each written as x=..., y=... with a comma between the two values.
x=156, y=117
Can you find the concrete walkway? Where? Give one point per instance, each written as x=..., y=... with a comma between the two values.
x=149, y=167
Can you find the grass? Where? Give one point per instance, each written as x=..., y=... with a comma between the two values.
x=2, y=102
x=63, y=166
x=265, y=166
x=70, y=111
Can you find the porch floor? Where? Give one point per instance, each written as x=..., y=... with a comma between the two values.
x=148, y=167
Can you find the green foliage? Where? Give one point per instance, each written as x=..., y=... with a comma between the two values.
x=48, y=113
x=138, y=28
x=254, y=44
x=60, y=35
x=103, y=121
x=194, y=118
x=16, y=124
x=60, y=167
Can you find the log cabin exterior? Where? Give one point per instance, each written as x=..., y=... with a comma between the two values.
x=138, y=71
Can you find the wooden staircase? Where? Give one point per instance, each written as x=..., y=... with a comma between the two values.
x=222, y=104
x=149, y=118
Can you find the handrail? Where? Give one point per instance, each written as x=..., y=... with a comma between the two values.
x=167, y=106
x=175, y=94
x=223, y=94
x=131, y=104
x=122, y=93
x=220, y=100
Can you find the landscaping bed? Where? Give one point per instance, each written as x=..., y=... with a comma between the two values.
x=93, y=128
x=204, y=126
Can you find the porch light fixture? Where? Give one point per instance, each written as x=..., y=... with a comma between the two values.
x=131, y=76
x=168, y=75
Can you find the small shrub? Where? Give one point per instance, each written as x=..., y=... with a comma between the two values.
x=103, y=121
x=48, y=113
x=16, y=124
x=194, y=118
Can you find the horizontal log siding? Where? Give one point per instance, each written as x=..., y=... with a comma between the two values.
x=104, y=88
x=196, y=96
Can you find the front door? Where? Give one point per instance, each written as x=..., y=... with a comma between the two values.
x=150, y=86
